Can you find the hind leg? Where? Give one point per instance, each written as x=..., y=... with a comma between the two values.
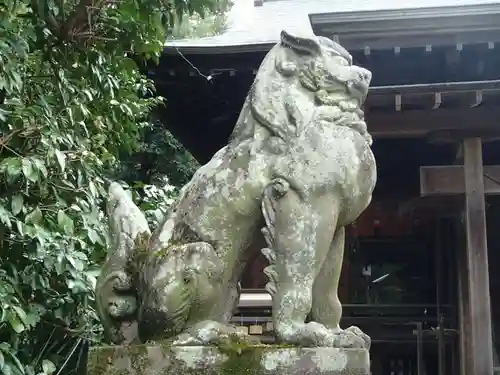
x=326, y=306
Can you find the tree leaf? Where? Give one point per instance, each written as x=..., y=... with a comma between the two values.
x=16, y=323
x=48, y=367
x=61, y=159
x=7, y=369
x=65, y=222
x=40, y=165
x=34, y=217
x=29, y=172
x=17, y=204
x=93, y=236
x=3, y=114
x=4, y=217
x=13, y=167
x=20, y=228
x=20, y=313
x=19, y=368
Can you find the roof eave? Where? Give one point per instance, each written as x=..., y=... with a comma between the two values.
x=411, y=27
x=404, y=14
x=218, y=49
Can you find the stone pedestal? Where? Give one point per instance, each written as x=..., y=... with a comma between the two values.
x=252, y=360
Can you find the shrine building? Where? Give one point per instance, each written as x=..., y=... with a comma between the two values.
x=418, y=274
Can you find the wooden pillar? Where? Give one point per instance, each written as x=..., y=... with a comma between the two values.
x=463, y=301
x=462, y=282
x=476, y=341
x=480, y=356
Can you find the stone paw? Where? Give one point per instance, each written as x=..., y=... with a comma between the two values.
x=352, y=337
x=310, y=334
x=186, y=339
x=213, y=333
x=315, y=334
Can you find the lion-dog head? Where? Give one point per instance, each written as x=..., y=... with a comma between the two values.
x=303, y=80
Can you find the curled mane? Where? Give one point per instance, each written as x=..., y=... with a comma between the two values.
x=302, y=81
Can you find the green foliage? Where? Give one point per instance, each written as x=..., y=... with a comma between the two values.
x=155, y=200
x=71, y=104
x=158, y=155
x=201, y=25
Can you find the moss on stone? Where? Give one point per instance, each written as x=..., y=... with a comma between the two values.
x=102, y=360
x=245, y=358
x=140, y=360
x=234, y=358
x=244, y=361
x=98, y=362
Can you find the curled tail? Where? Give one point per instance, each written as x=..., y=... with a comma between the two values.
x=116, y=289
x=272, y=192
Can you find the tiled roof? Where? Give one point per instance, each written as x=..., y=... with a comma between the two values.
x=249, y=24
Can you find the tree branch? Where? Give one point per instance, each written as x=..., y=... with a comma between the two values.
x=48, y=17
x=78, y=16
x=79, y=21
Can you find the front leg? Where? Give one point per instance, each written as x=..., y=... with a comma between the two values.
x=299, y=232
x=326, y=307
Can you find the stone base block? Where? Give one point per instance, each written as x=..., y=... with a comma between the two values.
x=251, y=360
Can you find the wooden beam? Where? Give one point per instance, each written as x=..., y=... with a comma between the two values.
x=431, y=88
x=412, y=123
x=481, y=338
x=450, y=180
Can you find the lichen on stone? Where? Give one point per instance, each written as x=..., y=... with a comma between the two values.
x=164, y=359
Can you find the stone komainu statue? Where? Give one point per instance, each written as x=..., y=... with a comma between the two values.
x=298, y=169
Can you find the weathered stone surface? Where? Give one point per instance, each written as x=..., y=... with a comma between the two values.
x=199, y=360
x=297, y=170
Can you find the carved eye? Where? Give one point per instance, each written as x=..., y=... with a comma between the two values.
x=340, y=60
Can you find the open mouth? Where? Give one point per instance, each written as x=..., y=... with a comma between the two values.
x=359, y=92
